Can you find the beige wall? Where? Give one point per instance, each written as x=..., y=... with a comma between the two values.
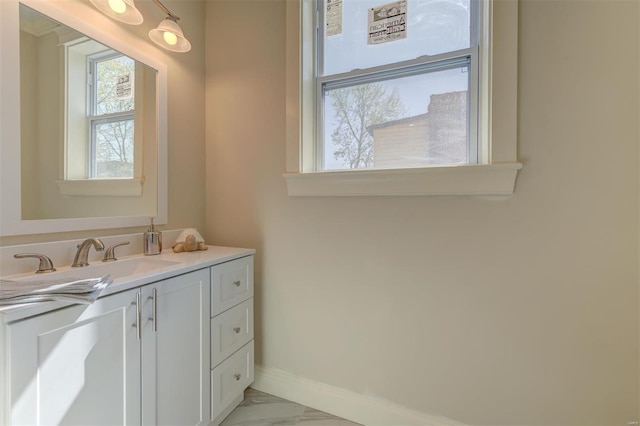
x=185, y=117
x=520, y=311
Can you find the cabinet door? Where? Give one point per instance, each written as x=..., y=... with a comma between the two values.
x=175, y=351
x=77, y=366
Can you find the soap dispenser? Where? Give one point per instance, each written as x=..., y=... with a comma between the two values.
x=152, y=241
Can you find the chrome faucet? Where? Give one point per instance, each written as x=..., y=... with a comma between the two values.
x=83, y=251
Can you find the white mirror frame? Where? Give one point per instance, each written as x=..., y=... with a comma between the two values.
x=11, y=222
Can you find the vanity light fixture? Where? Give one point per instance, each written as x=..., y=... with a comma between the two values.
x=120, y=10
x=167, y=35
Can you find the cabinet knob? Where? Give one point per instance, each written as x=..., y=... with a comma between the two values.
x=237, y=283
x=237, y=376
x=236, y=329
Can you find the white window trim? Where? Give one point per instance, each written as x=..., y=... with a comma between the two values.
x=495, y=176
x=102, y=187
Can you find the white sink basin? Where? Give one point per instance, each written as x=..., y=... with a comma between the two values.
x=124, y=267
x=117, y=269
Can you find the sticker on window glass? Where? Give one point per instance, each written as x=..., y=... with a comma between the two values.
x=388, y=22
x=123, y=89
x=334, y=17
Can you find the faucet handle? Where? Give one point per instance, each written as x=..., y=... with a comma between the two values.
x=110, y=254
x=46, y=265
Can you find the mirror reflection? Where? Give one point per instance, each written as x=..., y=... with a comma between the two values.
x=88, y=126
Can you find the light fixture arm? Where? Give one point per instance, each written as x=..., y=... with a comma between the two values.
x=165, y=10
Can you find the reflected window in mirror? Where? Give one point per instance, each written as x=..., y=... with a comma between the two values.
x=112, y=108
x=100, y=134
x=101, y=98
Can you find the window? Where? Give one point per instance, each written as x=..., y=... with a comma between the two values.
x=110, y=114
x=102, y=144
x=397, y=83
x=399, y=97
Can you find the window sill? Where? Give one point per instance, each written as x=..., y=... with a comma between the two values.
x=488, y=180
x=101, y=187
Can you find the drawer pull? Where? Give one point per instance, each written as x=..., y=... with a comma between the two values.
x=237, y=376
x=237, y=283
x=236, y=329
x=155, y=309
x=139, y=314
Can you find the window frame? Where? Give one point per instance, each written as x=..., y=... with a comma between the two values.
x=497, y=168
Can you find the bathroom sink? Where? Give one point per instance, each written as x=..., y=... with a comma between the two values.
x=125, y=267
x=117, y=269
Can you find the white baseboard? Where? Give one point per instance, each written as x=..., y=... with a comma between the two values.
x=363, y=409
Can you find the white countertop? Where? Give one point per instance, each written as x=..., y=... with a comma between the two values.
x=181, y=263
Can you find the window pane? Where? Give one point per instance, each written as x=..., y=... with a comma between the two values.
x=114, y=149
x=432, y=27
x=412, y=121
x=114, y=85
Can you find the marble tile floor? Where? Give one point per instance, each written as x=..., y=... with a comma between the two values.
x=262, y=409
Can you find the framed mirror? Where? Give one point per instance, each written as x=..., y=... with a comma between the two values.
x=86, y=149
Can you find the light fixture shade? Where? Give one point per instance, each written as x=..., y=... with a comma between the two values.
x=179, y=42
x=129, y=14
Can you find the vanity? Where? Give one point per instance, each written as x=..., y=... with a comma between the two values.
x=170, y=341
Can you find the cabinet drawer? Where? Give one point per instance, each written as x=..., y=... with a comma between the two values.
x=231, y=283
x=231, y=378
x=230, y=331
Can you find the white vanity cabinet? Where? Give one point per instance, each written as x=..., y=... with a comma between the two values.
x=232, y=364
x=135, y=357
x=171, y=348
